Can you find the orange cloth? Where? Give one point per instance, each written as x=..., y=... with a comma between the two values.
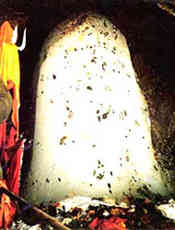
x=113, y=223
x=10, y=69
x=7, y=209
x=11, y=159
x=6, y=33
x=11, y=146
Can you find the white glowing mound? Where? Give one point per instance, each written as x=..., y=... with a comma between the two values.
x=92, y=130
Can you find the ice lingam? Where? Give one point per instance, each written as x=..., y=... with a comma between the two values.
x=92, y=128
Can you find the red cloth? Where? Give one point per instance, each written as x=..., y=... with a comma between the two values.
x=7, y=210
x=11, y=157
x=11, y=147
x=113, y=223
x=2, y=135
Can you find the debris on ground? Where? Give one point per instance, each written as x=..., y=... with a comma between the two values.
x=83, y=213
